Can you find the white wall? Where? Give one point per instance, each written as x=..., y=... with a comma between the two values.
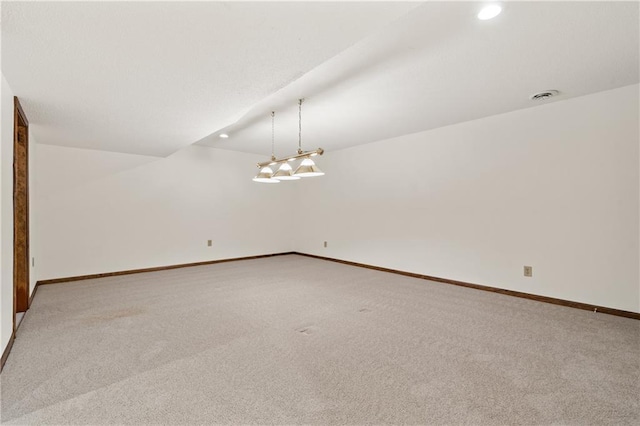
x=123, y=212
x=34, y=234
x=554, y=187
x=6, y=215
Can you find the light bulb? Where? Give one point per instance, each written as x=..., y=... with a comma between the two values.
x=489, y=12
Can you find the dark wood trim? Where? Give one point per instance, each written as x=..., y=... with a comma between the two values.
x=21, y=253
x=18, y=108
x=157, y=268
x=545, y=299
x=5, y=354
x=20, y=122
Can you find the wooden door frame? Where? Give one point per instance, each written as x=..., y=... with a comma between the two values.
x=20, y=289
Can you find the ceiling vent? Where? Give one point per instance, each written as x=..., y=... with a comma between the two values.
x=543, y=95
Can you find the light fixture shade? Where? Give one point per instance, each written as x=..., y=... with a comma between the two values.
x=285, y=172
x=308, y=169
x=265, y=176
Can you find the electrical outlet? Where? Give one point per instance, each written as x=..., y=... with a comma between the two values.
x=325, y=244
x=209, y=243
x=528, y=271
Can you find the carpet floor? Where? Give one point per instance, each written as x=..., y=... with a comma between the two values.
x=296, y=340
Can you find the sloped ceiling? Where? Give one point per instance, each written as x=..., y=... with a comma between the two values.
x=150, y=78
x=439, y=65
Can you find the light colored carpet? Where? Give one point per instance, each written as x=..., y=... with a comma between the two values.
x=290, y=340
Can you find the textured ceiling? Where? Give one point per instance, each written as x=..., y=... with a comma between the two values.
x=439, y=65
x=151, y=77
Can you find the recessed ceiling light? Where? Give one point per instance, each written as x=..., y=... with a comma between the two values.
x=489, y=12
x=224, y=135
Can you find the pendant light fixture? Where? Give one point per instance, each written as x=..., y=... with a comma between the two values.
x=266, y=173
x=285, y=172
x=307, y=167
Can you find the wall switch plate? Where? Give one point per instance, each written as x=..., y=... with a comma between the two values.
x=325, y=244
x=528, y=271
x=209, y=243
x=33, y=262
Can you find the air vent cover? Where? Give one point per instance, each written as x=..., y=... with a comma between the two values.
x=543, y=95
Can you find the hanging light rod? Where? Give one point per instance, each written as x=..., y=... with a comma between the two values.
x=307, y=167
x=300, y=154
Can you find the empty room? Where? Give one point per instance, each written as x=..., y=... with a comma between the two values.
x=340, y=213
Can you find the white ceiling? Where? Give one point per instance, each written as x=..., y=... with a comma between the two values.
x=150, y=78
x=440, y=65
